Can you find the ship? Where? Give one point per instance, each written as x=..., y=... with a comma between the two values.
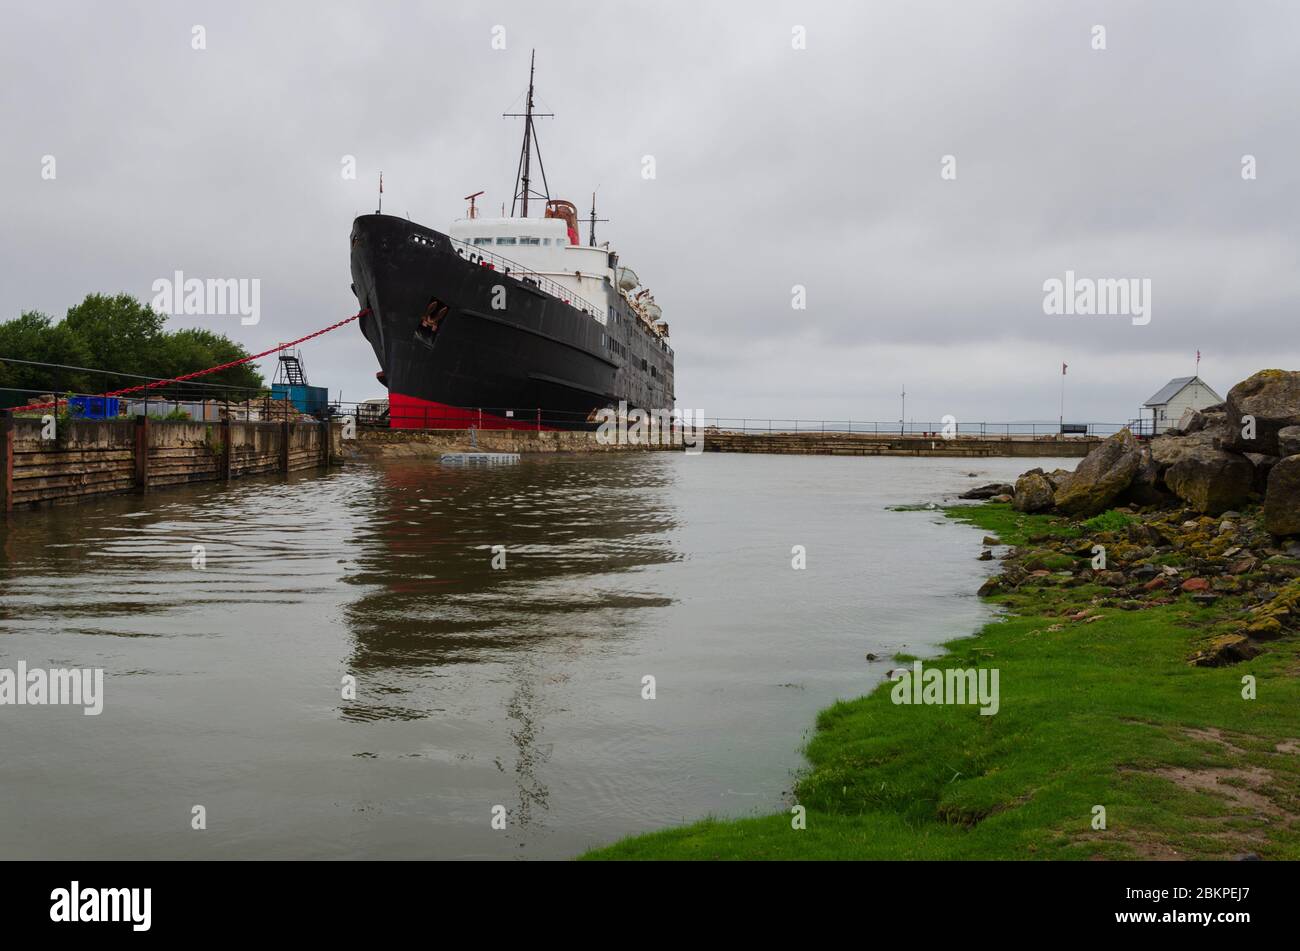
x=510, y=322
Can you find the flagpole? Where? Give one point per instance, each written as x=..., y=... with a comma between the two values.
x=380, y=211
x=1062, y=420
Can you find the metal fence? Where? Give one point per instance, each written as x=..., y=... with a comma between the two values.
x=378, y=414
x=489, y=417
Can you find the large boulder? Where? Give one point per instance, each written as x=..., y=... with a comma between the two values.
x=1169, y=450
x=1100, y=479
x=1209, y=479
x=1033, y=492
x=1282, y=501
x=1272, y=397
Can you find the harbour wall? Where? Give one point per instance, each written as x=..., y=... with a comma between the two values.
x=874, y=444
x=100, y=457
x=396, y=443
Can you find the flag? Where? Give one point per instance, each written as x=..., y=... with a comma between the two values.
x=1063, y=368
x=381, y=183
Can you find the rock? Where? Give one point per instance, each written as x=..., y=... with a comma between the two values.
x=1143, y=533
x=1100, y=478
x=1226, y=527
x=1004, y=498
x=1210, y=479
x=989, y=586
x=987, y=491
x=1059, y=477
x=1190, y=422
x=1196, y=584
x=1033, y=492
x=1242, y=565
x=1288, y=441
x=985, y=555
x=1226, y=649
x=1168, y=450
x=1155, y=583
x=992, y=540
x=1272, y=397
x=1282, y=500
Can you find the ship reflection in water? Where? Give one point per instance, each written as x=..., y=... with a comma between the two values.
x=228, y=621
x=522, y=571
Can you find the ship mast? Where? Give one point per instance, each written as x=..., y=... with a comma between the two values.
x=523, y=180
x=591, y=229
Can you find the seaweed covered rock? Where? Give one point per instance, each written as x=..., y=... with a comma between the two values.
x=1102, y=476
x=1271, y=398
x=1033, y=492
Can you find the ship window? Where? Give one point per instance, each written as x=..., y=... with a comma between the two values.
x=528, y=240
x=546, y=241
x=479, y=242
x=505, y=240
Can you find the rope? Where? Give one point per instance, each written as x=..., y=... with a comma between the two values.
x=216, y=369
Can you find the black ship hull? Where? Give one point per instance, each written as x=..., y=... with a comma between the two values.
x=451, y=359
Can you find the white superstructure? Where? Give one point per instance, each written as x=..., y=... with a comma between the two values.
x=542, y=247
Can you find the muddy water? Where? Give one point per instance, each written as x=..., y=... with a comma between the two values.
x=476, y=687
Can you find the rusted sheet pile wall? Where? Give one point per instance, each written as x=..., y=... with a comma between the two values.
x=98, y=457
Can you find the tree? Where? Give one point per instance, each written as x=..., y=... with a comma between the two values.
x=120, y=335
x=33, y=336
x=184, y=351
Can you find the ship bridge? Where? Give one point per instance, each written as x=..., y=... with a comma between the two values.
x=541, y=245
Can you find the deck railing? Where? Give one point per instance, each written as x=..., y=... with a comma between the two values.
x=479, y=254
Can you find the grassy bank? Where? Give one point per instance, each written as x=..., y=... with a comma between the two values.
x=1098, y=710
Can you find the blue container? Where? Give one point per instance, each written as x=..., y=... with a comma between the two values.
x=94, y=407
x=312, y=400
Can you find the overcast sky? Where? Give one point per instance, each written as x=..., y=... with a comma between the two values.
x=774, y=167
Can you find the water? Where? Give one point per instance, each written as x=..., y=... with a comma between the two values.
x=476, y=687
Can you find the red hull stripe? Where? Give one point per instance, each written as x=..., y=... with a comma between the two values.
x=411, y=412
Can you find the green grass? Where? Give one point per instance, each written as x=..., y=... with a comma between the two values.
x=1090, y=714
